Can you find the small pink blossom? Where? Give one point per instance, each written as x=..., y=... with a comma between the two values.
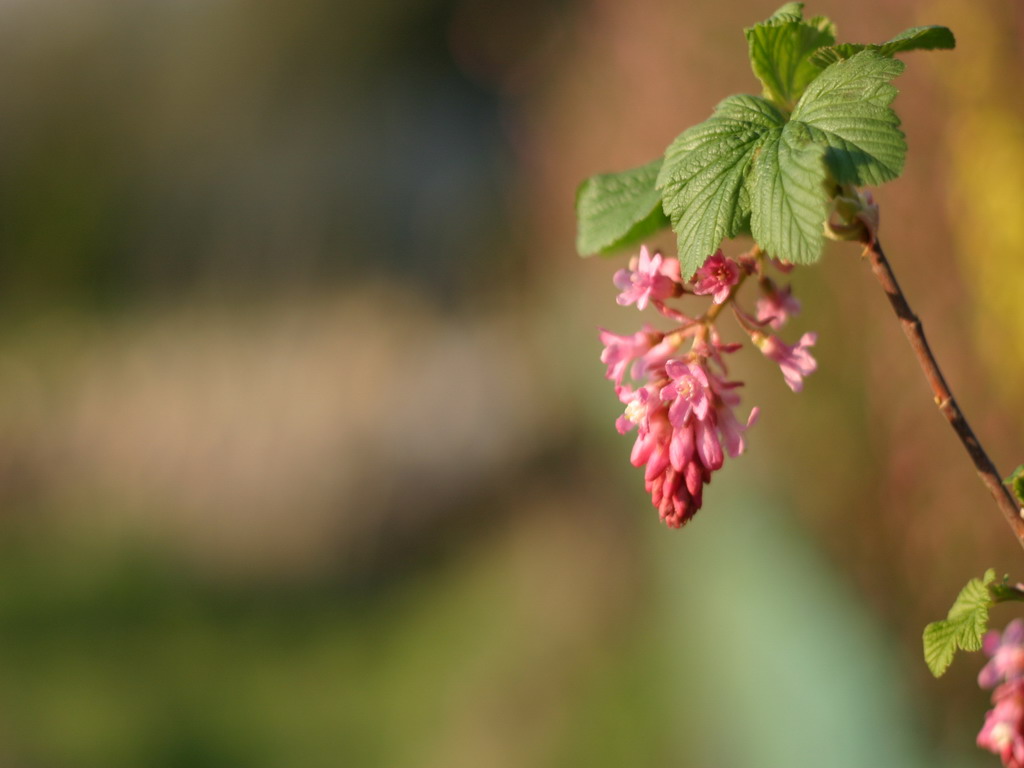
x=732, y=431
x=637, y=406
x=717, y=277
x=689, y=392
x=620, y=351
x=655, y=358
x=1003, y=731
x=1006, y=650
x=795, y=361
x=647, y=278
x=777, y=306
x=652, y=439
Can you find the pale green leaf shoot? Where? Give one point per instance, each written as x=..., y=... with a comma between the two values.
x=824, y=24
x=823, y=57
x=964, y=626
x=780, y=57
x=932, y=38
x=1016, y=482
x=788, y=12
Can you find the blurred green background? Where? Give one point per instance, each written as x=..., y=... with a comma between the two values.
x=306, y=458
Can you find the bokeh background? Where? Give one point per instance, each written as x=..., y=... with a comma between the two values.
x=306, y=458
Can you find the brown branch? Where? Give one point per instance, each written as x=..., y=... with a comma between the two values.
x=914, y=332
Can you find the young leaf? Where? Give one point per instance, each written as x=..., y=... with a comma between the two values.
x=702, y=178
x=828, y=55
x=788, y=196
x=780, y=56
x=824, y=24
x=847, y=109
x=788, y=12
x=964, y=626
x=915, y=39
x=615, y=210
x=1016, y=482
x=920, y=39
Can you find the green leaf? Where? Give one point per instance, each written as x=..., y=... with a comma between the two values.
x=615, y=210
x=824, y=24
x=915, y=39
x=780, y=56
x=920, y=39
x=1016, y=482
x=1006, y=592
x=847, y=109
x=964, y=626
x=789, y=200
x=788, y=12
x=824, y=57
x=702, y=178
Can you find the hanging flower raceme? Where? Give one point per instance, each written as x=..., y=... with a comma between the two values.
x=673, y=384
x=1007, y=652
x=1003, y=731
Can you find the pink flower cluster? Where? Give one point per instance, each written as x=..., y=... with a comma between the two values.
x=679, y=400
x=1003, y=731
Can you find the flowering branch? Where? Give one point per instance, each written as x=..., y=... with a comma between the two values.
x=775, y=167
x=914, y=332
x=680, y=401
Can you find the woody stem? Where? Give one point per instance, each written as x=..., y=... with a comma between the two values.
x=947, y=405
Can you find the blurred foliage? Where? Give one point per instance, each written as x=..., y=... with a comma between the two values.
x=164, y=147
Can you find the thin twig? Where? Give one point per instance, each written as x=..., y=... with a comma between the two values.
x=914, y=332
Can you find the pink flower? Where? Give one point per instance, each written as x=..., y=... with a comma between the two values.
x=636, y=413
x=1003, y=731
x=675, y=481
x=717, y=277
x=795, y=361
x=732, y=432
x=678, y=496
x=620, y=351
x=680, y=452
x=653, y=437
x=1007, y=652
x=689, y=391
x=682, y=407
x=685, y=426
x=673, y=474
x=702, y=401
x=654, y=359
x=647, y=278
x=777, y=306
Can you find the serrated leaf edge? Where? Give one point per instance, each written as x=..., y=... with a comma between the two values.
x=975, y=599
